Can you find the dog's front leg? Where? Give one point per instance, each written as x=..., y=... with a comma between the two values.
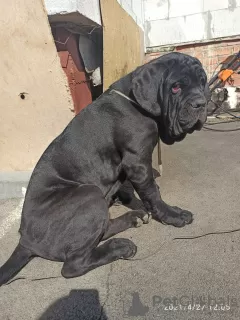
x=141, y=176
x=161, y=211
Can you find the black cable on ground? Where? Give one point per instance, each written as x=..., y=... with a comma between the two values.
x=221, y=130
x=229, y=121
x=220, y=122
x=207, y=234
x=231, y=114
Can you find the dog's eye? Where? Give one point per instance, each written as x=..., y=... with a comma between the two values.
x=202, y=82
x=176, y=88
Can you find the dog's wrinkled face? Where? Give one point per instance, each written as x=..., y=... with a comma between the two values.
x=174, y=89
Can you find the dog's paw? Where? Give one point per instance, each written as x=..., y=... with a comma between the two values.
x=186, y=216
x=178, y=218
x=130, y=251
x=123, y=248
x=139, y=217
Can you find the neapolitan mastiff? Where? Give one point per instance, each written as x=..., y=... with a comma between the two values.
x=65, y=214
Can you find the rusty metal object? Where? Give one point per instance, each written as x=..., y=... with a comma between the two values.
x=72, y=64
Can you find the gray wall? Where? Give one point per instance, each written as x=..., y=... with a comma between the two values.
x=184, y=21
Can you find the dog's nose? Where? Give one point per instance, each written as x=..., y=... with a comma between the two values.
x=200, y=102
x=201, y=105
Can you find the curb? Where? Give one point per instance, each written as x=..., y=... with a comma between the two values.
x=12, y=184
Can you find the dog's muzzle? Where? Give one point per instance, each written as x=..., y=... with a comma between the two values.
x=193, y=116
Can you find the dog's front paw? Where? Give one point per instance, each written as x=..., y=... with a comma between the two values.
x=186, y=216
x=177, y=217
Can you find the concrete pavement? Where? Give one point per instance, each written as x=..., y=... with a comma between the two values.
x=168, y=278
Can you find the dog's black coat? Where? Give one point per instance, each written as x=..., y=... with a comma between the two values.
x=65, y=213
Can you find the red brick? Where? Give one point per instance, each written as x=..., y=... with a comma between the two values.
x=198, y=49
x=212, y=52
x=215, y=46
x=215, y=68
x=200, y=56
x=205, y=62
x=218, y=44
x=222, y=58
x=190, y=53
x=226, y=50
x=233, y=43
x=151, y=56
x=199, y=45
x=236, y=78
x=236, y=48
x=212, y=46
x=187, y=51
x=212, y=71
x=185, y=47
x=213, y=61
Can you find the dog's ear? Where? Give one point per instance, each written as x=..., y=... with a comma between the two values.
x=147, y=86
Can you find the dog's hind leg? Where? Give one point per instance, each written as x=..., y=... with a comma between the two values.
x=80, y=262
x=82, y=250
x=131, y=219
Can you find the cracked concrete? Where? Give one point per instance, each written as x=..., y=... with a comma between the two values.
x=201, y=174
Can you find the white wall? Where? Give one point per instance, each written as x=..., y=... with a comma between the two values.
x=135, y=9
x=91, y=8
x=182, y=21
x=88, y=8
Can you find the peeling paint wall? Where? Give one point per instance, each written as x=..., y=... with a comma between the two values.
x=185, y=21
x=35, y=100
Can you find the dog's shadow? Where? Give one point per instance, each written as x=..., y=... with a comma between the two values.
x=78, y=305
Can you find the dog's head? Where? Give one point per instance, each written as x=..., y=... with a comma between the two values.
x=173, y=88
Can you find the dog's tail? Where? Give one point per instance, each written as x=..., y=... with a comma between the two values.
x=19, y=258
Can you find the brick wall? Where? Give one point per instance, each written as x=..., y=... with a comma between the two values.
x=210, y=54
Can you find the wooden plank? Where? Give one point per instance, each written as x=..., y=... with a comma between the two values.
x=123, y=44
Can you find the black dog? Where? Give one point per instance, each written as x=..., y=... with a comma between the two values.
x=65, y=213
